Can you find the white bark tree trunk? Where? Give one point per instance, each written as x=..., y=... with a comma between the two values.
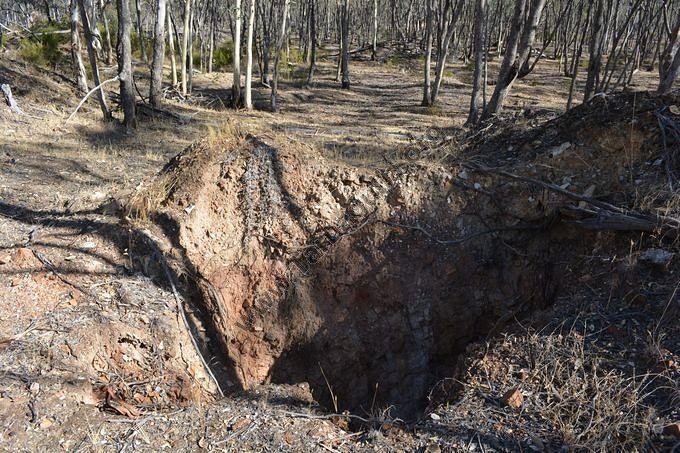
x=236, y=85
x=249, y=56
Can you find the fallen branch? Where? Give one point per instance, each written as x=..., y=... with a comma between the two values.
x=181, y=313
x=604, y=216
x=87, y=96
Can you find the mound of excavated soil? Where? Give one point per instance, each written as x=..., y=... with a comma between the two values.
x=367, y=283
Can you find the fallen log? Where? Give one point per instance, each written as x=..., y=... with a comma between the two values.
x=9, y=99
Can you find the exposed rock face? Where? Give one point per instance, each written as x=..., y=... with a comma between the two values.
x=342, y=277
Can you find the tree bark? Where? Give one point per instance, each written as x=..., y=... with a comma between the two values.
x=344, y=61
x=108, y=48
x=374, y=51
x=124, y=50
x=279, y=46
x=477, y=80
x=444, y=51
x=313, y=43
x=669, y=63
x=171, y=44
x=427, y=82
x=185, y=44
x=518, y=50
x=76, y=54
x=595, y=52
x=236, y=85
x=248, y=104
x=155, y=96
x=140, y=33
x=89, y=38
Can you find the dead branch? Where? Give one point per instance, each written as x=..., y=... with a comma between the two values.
x=87, y=96
x=181, y=313
x=603, y=216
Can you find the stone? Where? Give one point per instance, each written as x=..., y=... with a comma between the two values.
x=559, y=149
x=657, y=258
x=513, y=398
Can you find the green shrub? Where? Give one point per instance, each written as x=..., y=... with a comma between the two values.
x=44, y=48
x=32, y=52
x=223, y=58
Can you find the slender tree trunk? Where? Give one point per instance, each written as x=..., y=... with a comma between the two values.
x=76, y=54
x=127, y=93
x=444, y=52
x=480, y=12
x=236, y=86
x=185, y=45
x=427, y=82
x=211, y=49
x=671, y=74
x=345, y=45
x=669, y=63
x=279, y=45
x=87, y=31
x=155, y=96
x=374, y=51
x=108, y=50
x=517, y=52
x=249, y=56
x=313, y=43
x=140, y=33
x=595, y=51
x=190, y=53
x=171, y=44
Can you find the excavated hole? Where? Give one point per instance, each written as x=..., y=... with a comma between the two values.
x=373, y=324
x=365, y=284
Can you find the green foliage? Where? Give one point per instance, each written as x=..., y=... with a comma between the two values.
x=136, y=45
x=223, y=58
x=44, y=47
x=32, y=52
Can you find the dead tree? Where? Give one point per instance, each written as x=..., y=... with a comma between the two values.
x=155, y=96
x=125, y=77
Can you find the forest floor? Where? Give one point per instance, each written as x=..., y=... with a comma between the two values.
x=94, y=355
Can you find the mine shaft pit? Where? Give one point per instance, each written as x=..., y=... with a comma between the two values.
x=345, y=278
